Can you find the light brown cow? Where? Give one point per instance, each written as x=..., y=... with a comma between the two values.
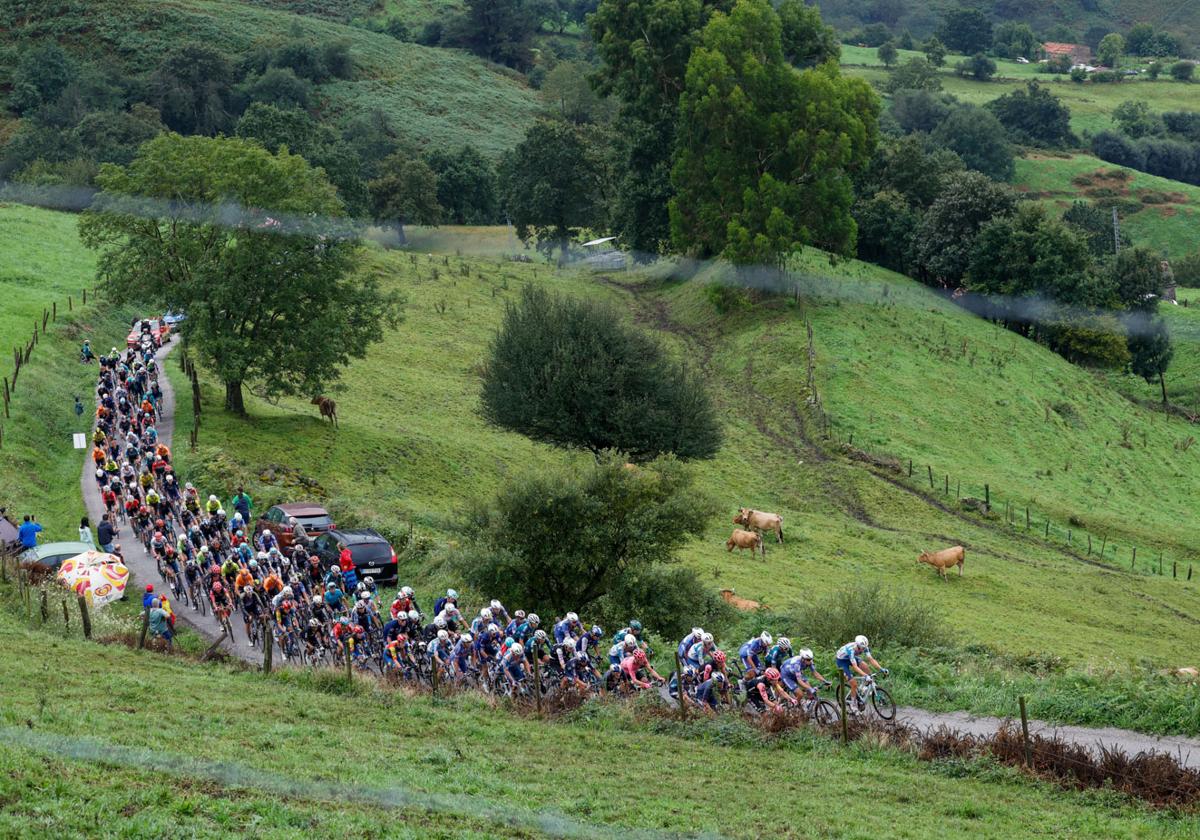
x=745, y=539
x=944, y=559
x=328, y=408
x=761, y=522
x=737, y=602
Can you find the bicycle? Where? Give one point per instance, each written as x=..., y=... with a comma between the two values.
x=820, y=711
x=881, y=700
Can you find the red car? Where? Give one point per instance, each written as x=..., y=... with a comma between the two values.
x=156, y=328
x=314, y=518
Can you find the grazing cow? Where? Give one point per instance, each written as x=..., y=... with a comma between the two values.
x=761, y=522
x=328, y=408
x=745, y=539
x=944, y=559
x=739, y=603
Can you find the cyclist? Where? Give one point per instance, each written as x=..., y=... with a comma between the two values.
x=527, y=628
x=218, y=596
x=708, y=691
x=213, y=505
x=229, y=570
x=759, y=688
x=794, y=670
x=511, y=628
x=487, y=645
x=451, y=616
x=394, y=651
x=714, y=665
x=499, y=614
x=569, y=626
x=440, y=649
x=252, y=610
x=685, y=644
x=538, y=647
x=513, y=664
x=630, y=666
x=849, y=660
x=750, y=652
x=313, y=636
x=404, y=601
x=579, y=669
x=481, y=621
x=622, y=650
x=440, y=604
x=285, y=622
x=272, y=583
x=699, y=651
x=780, y=651
x=462, y=655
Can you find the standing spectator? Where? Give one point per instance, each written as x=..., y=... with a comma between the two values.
x=105, y=534
x=28, y=532
x=85, y=532
x=242, y=503
x=160, y=623
x=299, y=534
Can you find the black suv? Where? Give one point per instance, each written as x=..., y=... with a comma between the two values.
x=373, y=556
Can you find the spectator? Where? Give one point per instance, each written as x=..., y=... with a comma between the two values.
x=105, y=534
x=28, y=532
x=160, y=623
x=299, y=535
x=148, y=599
x=85, y=532
x=242, y=503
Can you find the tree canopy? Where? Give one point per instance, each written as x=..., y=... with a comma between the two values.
x=219, y=228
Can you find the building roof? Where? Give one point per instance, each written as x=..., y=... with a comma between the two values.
x=1059, y=48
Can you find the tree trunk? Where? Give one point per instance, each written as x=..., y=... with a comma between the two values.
x=233, y=397
x=1163, y=384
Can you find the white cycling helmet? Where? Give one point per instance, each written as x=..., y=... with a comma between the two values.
x=766, y=637
x=519, y=614
x=262, y=555
x=630, y=639
x=451, y=594
x=697, y=631
x=443, y=635
x=785, y=643
x=517, y=647
x=439, y=623
x=534, y=620
x=370, y=581
x=805, y=653
x=406, y=590
x=467, y=638
x=540, y=635
x=220, y=511
x=213, y=498
x=485, y=614
x=287, y=592
x=707, y=638
x=413, y=615
x=492, y=628
x=572, y=617
x=861, y=641
x=496, y=605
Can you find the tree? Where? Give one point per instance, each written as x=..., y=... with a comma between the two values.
x=765, y=154
x=1140, y=39
x=935, y=51
x=905, y=166
x=466, y=186
x=1150, y=350
x=905, y=41
x=914, y=74
x=947, y=233
x=977, y=137
x=966, y=31
x=41, y=75
x=554, y=183
x=888, y=53
x=1182, y=71
x=568, y=94
x=1015, y=40
x=886, y=225
x=979, y=66
x=1034, y=115
x=499, y=30
x=570, y=373
x=1154, y=70
x=1116, y=148
x=920, y=110
x=406, y=192
x=1112, y=46
x=193, y=90
x=806, y=40
x=1135, y=119
x=277, y=86
x=1137, y=277
x=564, y=540
x=1096, y=226
x=219, y=228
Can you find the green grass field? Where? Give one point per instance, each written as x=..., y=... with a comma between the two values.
x=99, y=741
x=433, y=97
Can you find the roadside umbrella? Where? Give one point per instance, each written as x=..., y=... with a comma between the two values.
x=99, y=577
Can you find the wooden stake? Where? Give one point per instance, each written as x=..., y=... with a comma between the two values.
x=268, y=646
x=145, y=628
x=66, y=615
x=842, y=703
x=85, y=618
x=679, y=687
x=1025, y=732
x=930, y=476
x=537, y=682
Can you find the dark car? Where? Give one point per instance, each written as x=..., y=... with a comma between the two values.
x=314, y=518
x=373, y=556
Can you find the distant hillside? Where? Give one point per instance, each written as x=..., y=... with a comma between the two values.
x=436, y=97
x=921, y=18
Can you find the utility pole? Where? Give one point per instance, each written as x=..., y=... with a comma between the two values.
x=1116, y=232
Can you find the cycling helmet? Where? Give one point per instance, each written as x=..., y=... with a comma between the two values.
x=407, y=591
x=287, y=592
x=262, y=555
x=443, y=635
x=719, y=657
x=485, y=614
x=149, y=587
x=451, y=595
x=253, y=564
x=217, y=587
x=540, y=635
x=697, y=631
x=492, y=628
x=785, y=643
x=343, y=620
x=635, y=626
x=806, y=655
x=467, y=638
x=572, y=617
x=630, y=639
x=496, y=605
x=861, y=641
x=639, y=656
x=213, y=498
x=312, y=622
x=440, y=623
x=220, y=511
x=509, y=641
x=159, y=524
x=370, y=581
x=100, y=473
x=707, y=638
x=413, y=615
x=240, y=532
x=519, y=614
x=719, y=678
x=772, y=674
x=517, y=648
x=597, y=631
x=287, y=605
x=766, y=637
x=247, y=591
x=534, y=620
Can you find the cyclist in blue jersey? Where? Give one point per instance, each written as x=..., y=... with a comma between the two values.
x=701, y=650
x=780, y=651
x=518, y=619
x=750, y=652
x=708, y=691
x=527, y=628
x=685, y=644
x=622, y=650
x=513, y=663
x=849, y=661
x=796, y=670
x=569, y=626
x=462, y=655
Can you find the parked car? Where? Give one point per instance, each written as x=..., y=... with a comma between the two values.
x=172, y=318
x=53, y=554
x=157, y=329
x=314, y=518
x=373, y=556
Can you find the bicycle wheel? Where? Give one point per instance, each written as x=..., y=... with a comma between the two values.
x=884, y=706
x=825, y=713
x=201, y=600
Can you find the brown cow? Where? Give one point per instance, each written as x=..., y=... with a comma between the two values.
x=944, y=559
x=745, y=539
x=761, y=522
x=737, y=602
x=328, y=408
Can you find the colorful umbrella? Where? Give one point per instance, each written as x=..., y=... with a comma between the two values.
x=99, y=577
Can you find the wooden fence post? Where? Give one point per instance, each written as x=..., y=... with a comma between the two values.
x=70, y=305
x=45, y=608
x=268, y=646
x=842, y=703
x=66, y=615
x=145, y=628
x=679, y=687
x=987, y=498
x=537, y=683
x=85, y=617
x=433, y=673
x=930, y=475
x=1089, y=545
x=1133, y=559
x=1026, y=517
x=1025, y=732
x=910, y=467
x=54, y=312
x=947, y=490
x=1047, y=529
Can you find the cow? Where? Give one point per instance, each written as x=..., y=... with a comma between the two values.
x=737, y=602
x=944, y=559
x=740, y=539
x=328, y=408
x=761, y=522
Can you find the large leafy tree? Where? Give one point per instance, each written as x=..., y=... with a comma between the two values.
x=966, y=31
x=248, y=244
x=193, y=89
x=562, y=541
x=500, y=30
x=555, y=182
x=946, y=237
x=571, y=373
x=764, y=153
x=806, y=40
x=1034, y=115
x=466, y=186
x=406, y=192
x=1150, y=350
x=977, y=137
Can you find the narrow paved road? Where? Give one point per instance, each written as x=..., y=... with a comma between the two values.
x=141, y=565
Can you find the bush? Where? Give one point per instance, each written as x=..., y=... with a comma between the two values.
x=885, y=616
x=1116, y=148
x=1107, y=77
x=726, y=298
x=1183, y=71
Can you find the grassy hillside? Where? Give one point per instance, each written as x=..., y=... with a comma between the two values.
x=435, y=97
x=1158, y=213
x=219, y=751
